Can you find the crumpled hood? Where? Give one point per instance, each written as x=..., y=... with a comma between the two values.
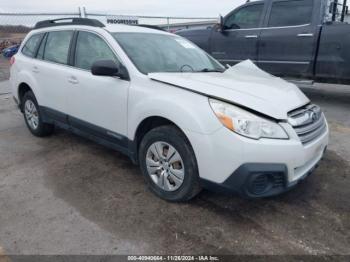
x=243, y=84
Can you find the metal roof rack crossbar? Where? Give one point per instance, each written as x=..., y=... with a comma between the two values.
x=69, y=21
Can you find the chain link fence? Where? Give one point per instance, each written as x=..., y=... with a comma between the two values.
x=14, y=26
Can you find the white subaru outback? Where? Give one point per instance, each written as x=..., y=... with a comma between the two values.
x=170, y=107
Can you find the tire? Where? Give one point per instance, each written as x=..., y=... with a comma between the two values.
x=164, y=154
x=33, y=117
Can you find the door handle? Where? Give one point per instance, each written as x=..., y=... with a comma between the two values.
x=73, y=80
x=306, y=35
x=35, y=69
x=251, y=36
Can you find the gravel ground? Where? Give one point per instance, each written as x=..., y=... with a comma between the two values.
x=4, y=68
x=66, y=195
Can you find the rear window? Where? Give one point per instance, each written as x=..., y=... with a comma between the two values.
x=57, y=46
x=290, y=13
x=31, y=45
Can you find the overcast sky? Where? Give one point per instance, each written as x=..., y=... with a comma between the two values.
x=196, y=8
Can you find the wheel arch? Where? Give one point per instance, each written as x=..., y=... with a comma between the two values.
x=23, y=88
x=25, y=81
x=149, y=123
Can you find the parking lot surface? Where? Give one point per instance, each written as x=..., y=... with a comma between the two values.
x=67, y=195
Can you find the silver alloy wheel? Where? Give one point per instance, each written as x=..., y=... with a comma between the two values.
x=165, y=166
x=31, y=114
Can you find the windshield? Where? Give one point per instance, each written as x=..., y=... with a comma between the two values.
x=153, y=53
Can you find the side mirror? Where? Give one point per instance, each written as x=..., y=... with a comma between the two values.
x=235, y=26
x=109, y=68
x=221, y=23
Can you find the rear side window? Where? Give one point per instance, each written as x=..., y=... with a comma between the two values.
x=290, y=13
x=31, y=45
x=57, y=46
x=91, y=48
x=41, y=50
x=246, y=17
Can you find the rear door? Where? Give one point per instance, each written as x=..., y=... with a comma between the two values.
x=240, y=35
x=288, y=40
x=51, y=69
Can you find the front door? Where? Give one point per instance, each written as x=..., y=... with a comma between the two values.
x=239, y=37
x=287, y=43
x=97, y=104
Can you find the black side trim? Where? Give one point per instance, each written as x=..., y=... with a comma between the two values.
x=50, y=115
x=99, y=132
x=92, y=132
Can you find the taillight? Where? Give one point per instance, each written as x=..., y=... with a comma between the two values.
x=12, y=60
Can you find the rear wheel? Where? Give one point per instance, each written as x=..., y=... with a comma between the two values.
x=33, y=117
x=168, y=164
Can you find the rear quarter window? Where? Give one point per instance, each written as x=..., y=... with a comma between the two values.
x=31, y=45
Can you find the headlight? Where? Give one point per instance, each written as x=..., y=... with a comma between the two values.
x=245, y=123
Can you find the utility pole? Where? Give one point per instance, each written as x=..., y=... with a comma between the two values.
x=344, y=11
x=82, y=12
x=335, y=10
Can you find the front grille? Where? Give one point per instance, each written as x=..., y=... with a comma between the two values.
x=308, y=122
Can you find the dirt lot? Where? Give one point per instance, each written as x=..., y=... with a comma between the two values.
x=4, y=68
x=66, y=195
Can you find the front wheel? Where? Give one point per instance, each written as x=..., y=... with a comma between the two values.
x=169, y=165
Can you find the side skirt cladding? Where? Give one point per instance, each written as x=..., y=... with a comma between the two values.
x=92, y=132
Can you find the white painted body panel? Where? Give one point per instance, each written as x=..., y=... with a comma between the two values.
x=245, y=85
x=101, y=101
x=52, y=83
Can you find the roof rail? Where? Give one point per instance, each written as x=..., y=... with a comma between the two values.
x=69, y=21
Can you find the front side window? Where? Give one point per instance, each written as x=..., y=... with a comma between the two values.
x=291, y=13
x=246, y=17
x=91, y=48
x=153, y=53
x=57, y=46
x=31, y=45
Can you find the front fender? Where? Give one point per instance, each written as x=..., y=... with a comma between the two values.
x=189, y=111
